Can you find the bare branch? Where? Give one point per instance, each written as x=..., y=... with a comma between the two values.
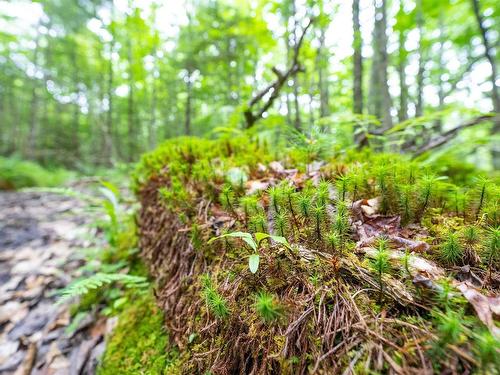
x=450, y=134
x=275, y=87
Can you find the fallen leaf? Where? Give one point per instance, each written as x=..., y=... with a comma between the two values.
x=485, y=307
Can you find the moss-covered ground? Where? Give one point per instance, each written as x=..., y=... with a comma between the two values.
x=139, y=343
x=377, y=262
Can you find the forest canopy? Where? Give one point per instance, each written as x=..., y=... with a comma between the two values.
x=97, y=82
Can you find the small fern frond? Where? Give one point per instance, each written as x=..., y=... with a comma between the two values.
x=83, y=286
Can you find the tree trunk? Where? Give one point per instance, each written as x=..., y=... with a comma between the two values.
x=75, y=144
x=357, y=60
x=321, y=64
x=31, y=149
x=403, y=88
x=297, y=121
x=419, y=105
x=189, y=89
x=489, y=54
x=130, y=107
x=438, y=123
x=380, y=97
x=152, y=125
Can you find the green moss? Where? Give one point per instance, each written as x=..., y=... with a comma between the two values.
x=138, y=344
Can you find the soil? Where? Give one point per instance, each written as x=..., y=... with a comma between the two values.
x=41, y=235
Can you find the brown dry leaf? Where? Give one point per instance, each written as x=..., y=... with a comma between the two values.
x=369, y=225
x=486, y=307
x=253, y=186
x=276, y=167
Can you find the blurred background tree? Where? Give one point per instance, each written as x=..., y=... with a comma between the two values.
x=96, y=82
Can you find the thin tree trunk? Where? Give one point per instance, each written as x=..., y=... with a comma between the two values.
x=403, y=88
x=438, y=122
x=321, y=64
x=108, y=148
x=31, y=150
x=297, y=121
x=489, y=55
x=75, y=144
x=381, y=100
x=152, y=126
x=189, y=88
x=130, y=107
x=357, y=60
x=419, y=105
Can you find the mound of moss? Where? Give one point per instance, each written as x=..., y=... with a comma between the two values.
x=366, y=261
x=138, y=345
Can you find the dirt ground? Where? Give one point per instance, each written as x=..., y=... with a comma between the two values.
x=41, y=240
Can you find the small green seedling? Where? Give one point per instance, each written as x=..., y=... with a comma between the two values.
x=267, y=307
x=254, y=258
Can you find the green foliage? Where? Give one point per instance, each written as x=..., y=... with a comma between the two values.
x=281, y=222
x=215, y=302
x=17, y=174
x=451, y=250
x=450, y=326
x=491, y=249
x=380, y=263
x=98, y=280
x=304, y=202
x=486, y=348
x=267, y=307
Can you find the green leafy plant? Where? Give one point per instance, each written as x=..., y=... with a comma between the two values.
x=486, y=347
x=215, y=302
x=451, y=250
x=84, y=285
x=319, y=213
x=258, y=222
x=267, y=307
x=280, y=223
x=249, y=203
x=275, y=197
x=227, y=197
x=491, y=249
x=449, y=326
x=254, y=258
x=333, y=240
x=380, y=263
x=482, y=185
x=304, y=202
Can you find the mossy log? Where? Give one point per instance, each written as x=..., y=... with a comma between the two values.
x=320, y=305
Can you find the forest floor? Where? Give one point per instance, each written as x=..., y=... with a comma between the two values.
x=41, y=235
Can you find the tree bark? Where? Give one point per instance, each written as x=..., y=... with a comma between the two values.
x=403, y=87
x=189, y=89
x=321, y=63
x=438, y=123
x=31, y=149
x=297, y=121
x=357, y=60
x=489, y=55
x=419, y=105
x=75, y=144
x=131, y=130
x=379, y=90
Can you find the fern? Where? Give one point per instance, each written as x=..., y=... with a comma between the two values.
x=83, y=286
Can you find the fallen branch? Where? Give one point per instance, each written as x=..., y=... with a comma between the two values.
x=274, y=88
x=450, y=134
